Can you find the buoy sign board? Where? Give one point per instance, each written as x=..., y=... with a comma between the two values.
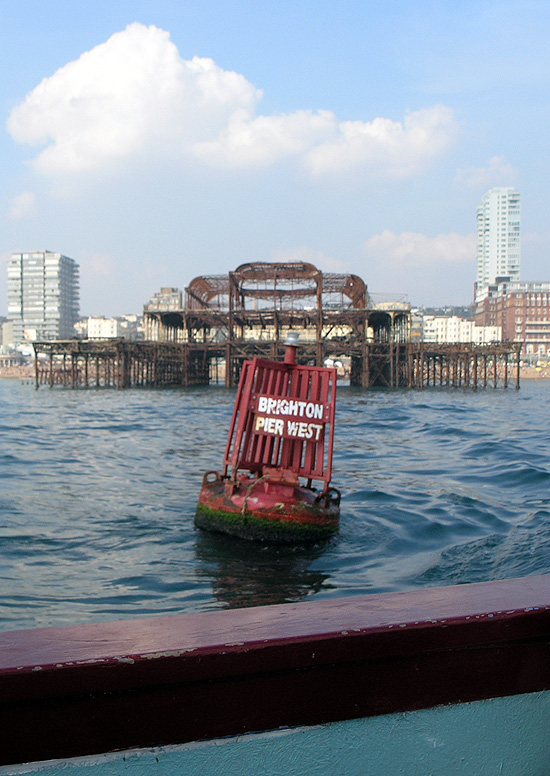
x=289, y=418
x=283, y=419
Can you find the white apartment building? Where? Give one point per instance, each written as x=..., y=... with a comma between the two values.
x=454, y=329
x=43, y=296
x=167, y=300
x=125, y=327
x=498, y=239
x=104, y=328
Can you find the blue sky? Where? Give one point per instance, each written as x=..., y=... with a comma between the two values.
x=156, y=141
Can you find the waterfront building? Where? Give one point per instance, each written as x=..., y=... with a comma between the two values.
x=124, y=327
x=81, y=328
x=167, y=300
x=523, y=312
x=498, y=240
x=6, y=333
x=456, y=329
x=43, y=296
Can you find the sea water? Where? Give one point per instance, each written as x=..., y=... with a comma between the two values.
x=98, y=490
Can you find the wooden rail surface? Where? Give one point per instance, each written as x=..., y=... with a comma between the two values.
x=85, y=689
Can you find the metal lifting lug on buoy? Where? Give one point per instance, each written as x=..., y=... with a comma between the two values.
x=280, y=443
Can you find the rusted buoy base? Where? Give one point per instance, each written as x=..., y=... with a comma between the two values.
x=255, y=528
x=268, y=508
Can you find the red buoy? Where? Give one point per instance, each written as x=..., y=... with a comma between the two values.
x=280, y=443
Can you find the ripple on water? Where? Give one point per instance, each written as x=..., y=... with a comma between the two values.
x=98, y=491
x=518, y=551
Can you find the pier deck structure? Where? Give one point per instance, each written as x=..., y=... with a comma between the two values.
x=227, y=319
x=125, y=364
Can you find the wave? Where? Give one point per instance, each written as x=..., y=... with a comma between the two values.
x=99, y=490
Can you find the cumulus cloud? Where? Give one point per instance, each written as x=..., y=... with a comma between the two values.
x=394, y=148
x=135, y=94
x=131, y=93
x=263, y=140
x=411, y=249
x=22, y=205
x=497, y=171
x=327, y=146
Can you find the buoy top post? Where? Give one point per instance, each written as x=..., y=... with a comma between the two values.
x=291, y=342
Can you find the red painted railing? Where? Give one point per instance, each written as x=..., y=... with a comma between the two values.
x=86, y=689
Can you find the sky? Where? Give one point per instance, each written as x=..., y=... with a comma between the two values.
x=154, y=141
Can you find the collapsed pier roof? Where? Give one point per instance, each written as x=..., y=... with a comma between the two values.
x=262, y=302
x=276, y=285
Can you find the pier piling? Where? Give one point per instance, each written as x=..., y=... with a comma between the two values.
x=123, y=364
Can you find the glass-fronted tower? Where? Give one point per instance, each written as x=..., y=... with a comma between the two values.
x=43, y=296
x=498, y=240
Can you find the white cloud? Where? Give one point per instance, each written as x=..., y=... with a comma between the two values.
x=411, y=249
x=498, y=172
x=22, y=205
x=390, y=147
x=135, y=94
x=130, y=93
x=263, y=140
x=329, y=147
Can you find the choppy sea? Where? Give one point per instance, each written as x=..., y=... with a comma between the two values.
x=98, y=490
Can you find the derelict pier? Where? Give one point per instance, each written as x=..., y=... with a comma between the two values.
x=227, y=319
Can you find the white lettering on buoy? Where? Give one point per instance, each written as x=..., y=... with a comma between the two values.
x=304, y=430
x=283, y=418
x=291, y=407
x=274, y=426
x=262, y=404
x=288, y=428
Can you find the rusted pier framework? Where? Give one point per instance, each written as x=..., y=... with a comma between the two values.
x=124, y=364
x=118, y=363
x=227, y=319
x=462, y=365
x=250, y=311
